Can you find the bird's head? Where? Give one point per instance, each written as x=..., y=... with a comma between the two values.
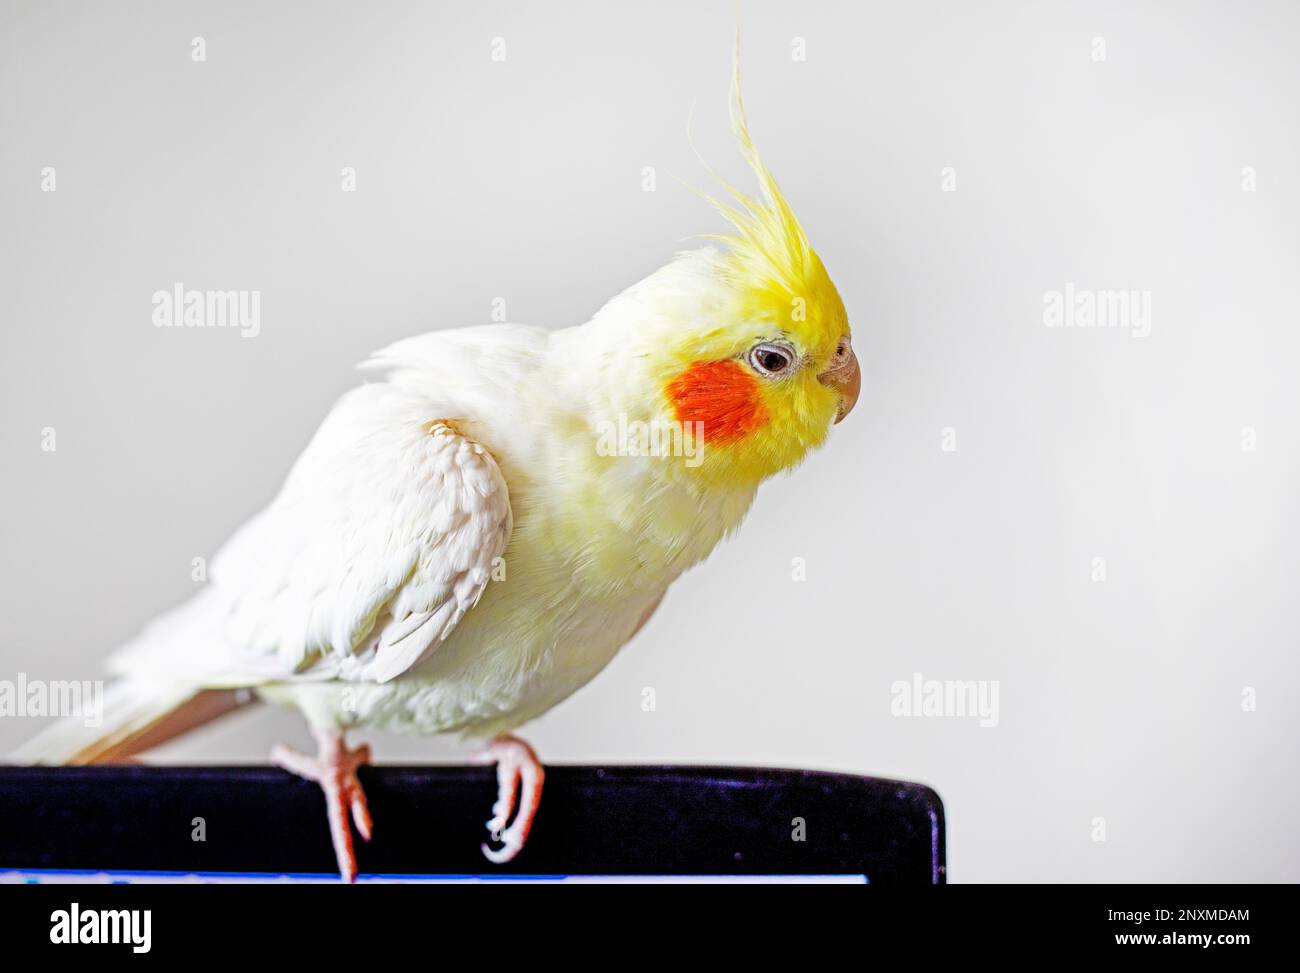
x=745, y=345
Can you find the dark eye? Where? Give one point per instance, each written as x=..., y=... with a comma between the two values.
x=771, y=359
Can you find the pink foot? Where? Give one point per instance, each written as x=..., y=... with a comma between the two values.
x=335, y=769
x=519, y=773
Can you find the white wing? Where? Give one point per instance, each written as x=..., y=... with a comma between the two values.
x=385, y=533
x=384, y=536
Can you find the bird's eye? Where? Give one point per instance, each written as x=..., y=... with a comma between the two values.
x=771, y=359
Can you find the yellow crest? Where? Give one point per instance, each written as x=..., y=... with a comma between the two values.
x=768, y=256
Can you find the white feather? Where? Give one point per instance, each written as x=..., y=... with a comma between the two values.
x=383, y=536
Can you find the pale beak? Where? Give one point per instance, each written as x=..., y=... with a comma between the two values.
x=844, y=377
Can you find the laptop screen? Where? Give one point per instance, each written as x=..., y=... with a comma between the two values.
x=595, y=824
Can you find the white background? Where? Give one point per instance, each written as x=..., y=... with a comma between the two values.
x=522, y=180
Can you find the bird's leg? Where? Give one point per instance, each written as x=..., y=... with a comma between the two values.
x=335, y=769
x=519, y=773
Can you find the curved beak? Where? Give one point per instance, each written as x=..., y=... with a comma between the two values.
x=844, y=377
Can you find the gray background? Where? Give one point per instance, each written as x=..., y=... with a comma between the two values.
x=522, y=180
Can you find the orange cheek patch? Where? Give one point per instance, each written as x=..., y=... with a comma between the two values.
x=723, y=395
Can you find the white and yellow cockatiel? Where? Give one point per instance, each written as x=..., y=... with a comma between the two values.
x=459, y=548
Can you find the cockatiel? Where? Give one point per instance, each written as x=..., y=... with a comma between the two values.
x=459, y=548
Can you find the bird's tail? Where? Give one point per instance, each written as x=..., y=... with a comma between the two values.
x=136, y=716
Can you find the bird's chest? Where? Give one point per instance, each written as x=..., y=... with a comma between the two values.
x=608, y=573
x=577, y=580
x=533, y=640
